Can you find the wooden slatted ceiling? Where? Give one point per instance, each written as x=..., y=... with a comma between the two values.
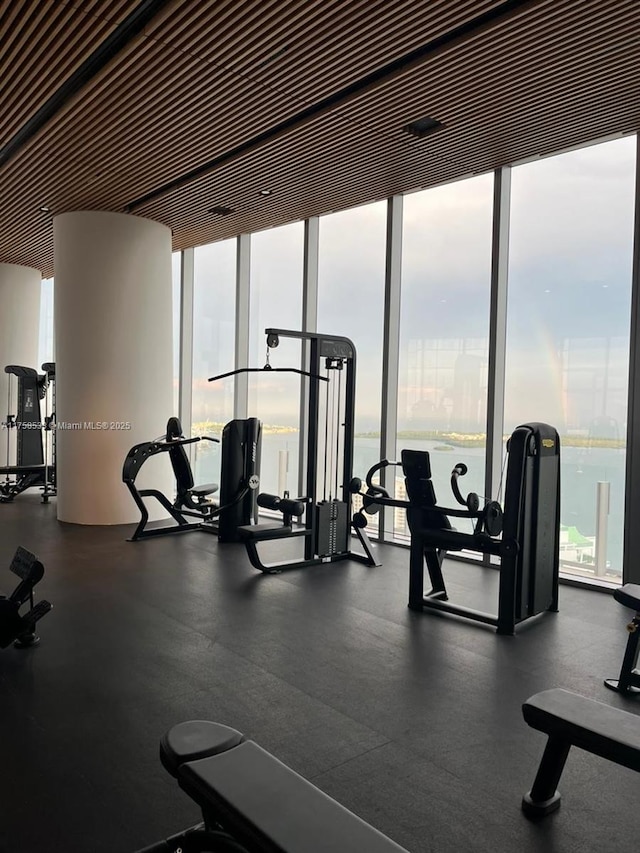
x=43, y=43
x=160, y=143
x=208, y=76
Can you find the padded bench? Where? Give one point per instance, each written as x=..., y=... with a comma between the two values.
x=573, y=720
x=259, y=802
x=628, y=682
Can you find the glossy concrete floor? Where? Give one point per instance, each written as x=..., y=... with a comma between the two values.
x=411, y=720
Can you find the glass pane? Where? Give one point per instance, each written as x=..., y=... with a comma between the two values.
x=444, y=334
x=276, y=302
x=176, y=288
x=45, y=342
x=214, y=305
x=351, y=304
x=568, y=334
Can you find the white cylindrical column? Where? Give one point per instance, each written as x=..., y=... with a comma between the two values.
x=113, y=309
x=19, y=336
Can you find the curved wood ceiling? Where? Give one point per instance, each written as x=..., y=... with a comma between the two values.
x=268, y=94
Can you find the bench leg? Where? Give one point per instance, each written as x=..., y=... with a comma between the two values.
x=544, y=797
x=629, y=680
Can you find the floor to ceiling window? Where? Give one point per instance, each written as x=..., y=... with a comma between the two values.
x=176, y=258
x=444, y=332
x=214, y=299
x=276, y=302
x=351, y=304
x=45, y=339
x=568, y=334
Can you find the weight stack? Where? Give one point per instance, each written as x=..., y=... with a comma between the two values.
x=332, y=528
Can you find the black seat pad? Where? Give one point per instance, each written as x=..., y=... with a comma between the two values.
x=193, y=740
x=258, y=798
x=261, y=532
x=207, y=489
x=629, y=595
x=587, y=724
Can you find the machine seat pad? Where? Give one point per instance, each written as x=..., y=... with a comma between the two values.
x=207, y=489
x=587, y=724
x=629, y=595
x=259, y=799
x=260, y=532
x=193, y=740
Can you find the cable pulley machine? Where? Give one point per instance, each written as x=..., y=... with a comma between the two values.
x=324, y=512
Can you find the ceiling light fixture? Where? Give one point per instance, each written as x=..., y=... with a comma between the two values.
x=44, y=209
x=265, y=192
x=423, y=127
x=221, y=210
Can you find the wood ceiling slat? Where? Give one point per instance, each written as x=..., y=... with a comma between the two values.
x=32, y=77
x=542, y=84
x=306, y=80
x=476, y=48
x=496, y=109
x=336, y=176
x=363, y=197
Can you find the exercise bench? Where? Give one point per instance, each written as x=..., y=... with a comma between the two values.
x=253, y=803
x=572, y=720
x=628, y=682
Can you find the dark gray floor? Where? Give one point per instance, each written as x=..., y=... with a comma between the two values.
x=411, y=720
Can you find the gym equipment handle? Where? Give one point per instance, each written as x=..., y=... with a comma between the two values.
x=286, y=506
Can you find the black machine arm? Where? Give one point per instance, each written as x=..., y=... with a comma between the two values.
x=139, y=453
x=267, y=368
x=331, y=345
x=489, y=517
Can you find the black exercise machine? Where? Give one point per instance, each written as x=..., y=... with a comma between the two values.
x=572, y=720
x=239, y=476
x=253, y=803
x=528, y=548
x=19, y=627
x=33, y=466
x=628, y=682
x=324, y=512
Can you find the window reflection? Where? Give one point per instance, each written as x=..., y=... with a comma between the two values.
x=176, y=258
x=45, y=339
x=214, y=290
x=444, y=331
x=351, y=304
x=568, y=333
x=276, y=302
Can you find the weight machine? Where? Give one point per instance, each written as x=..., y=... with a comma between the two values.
x=525, y=537
x=324, y=512
x=19, y=627
x=35, y=463
x=239, y=478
